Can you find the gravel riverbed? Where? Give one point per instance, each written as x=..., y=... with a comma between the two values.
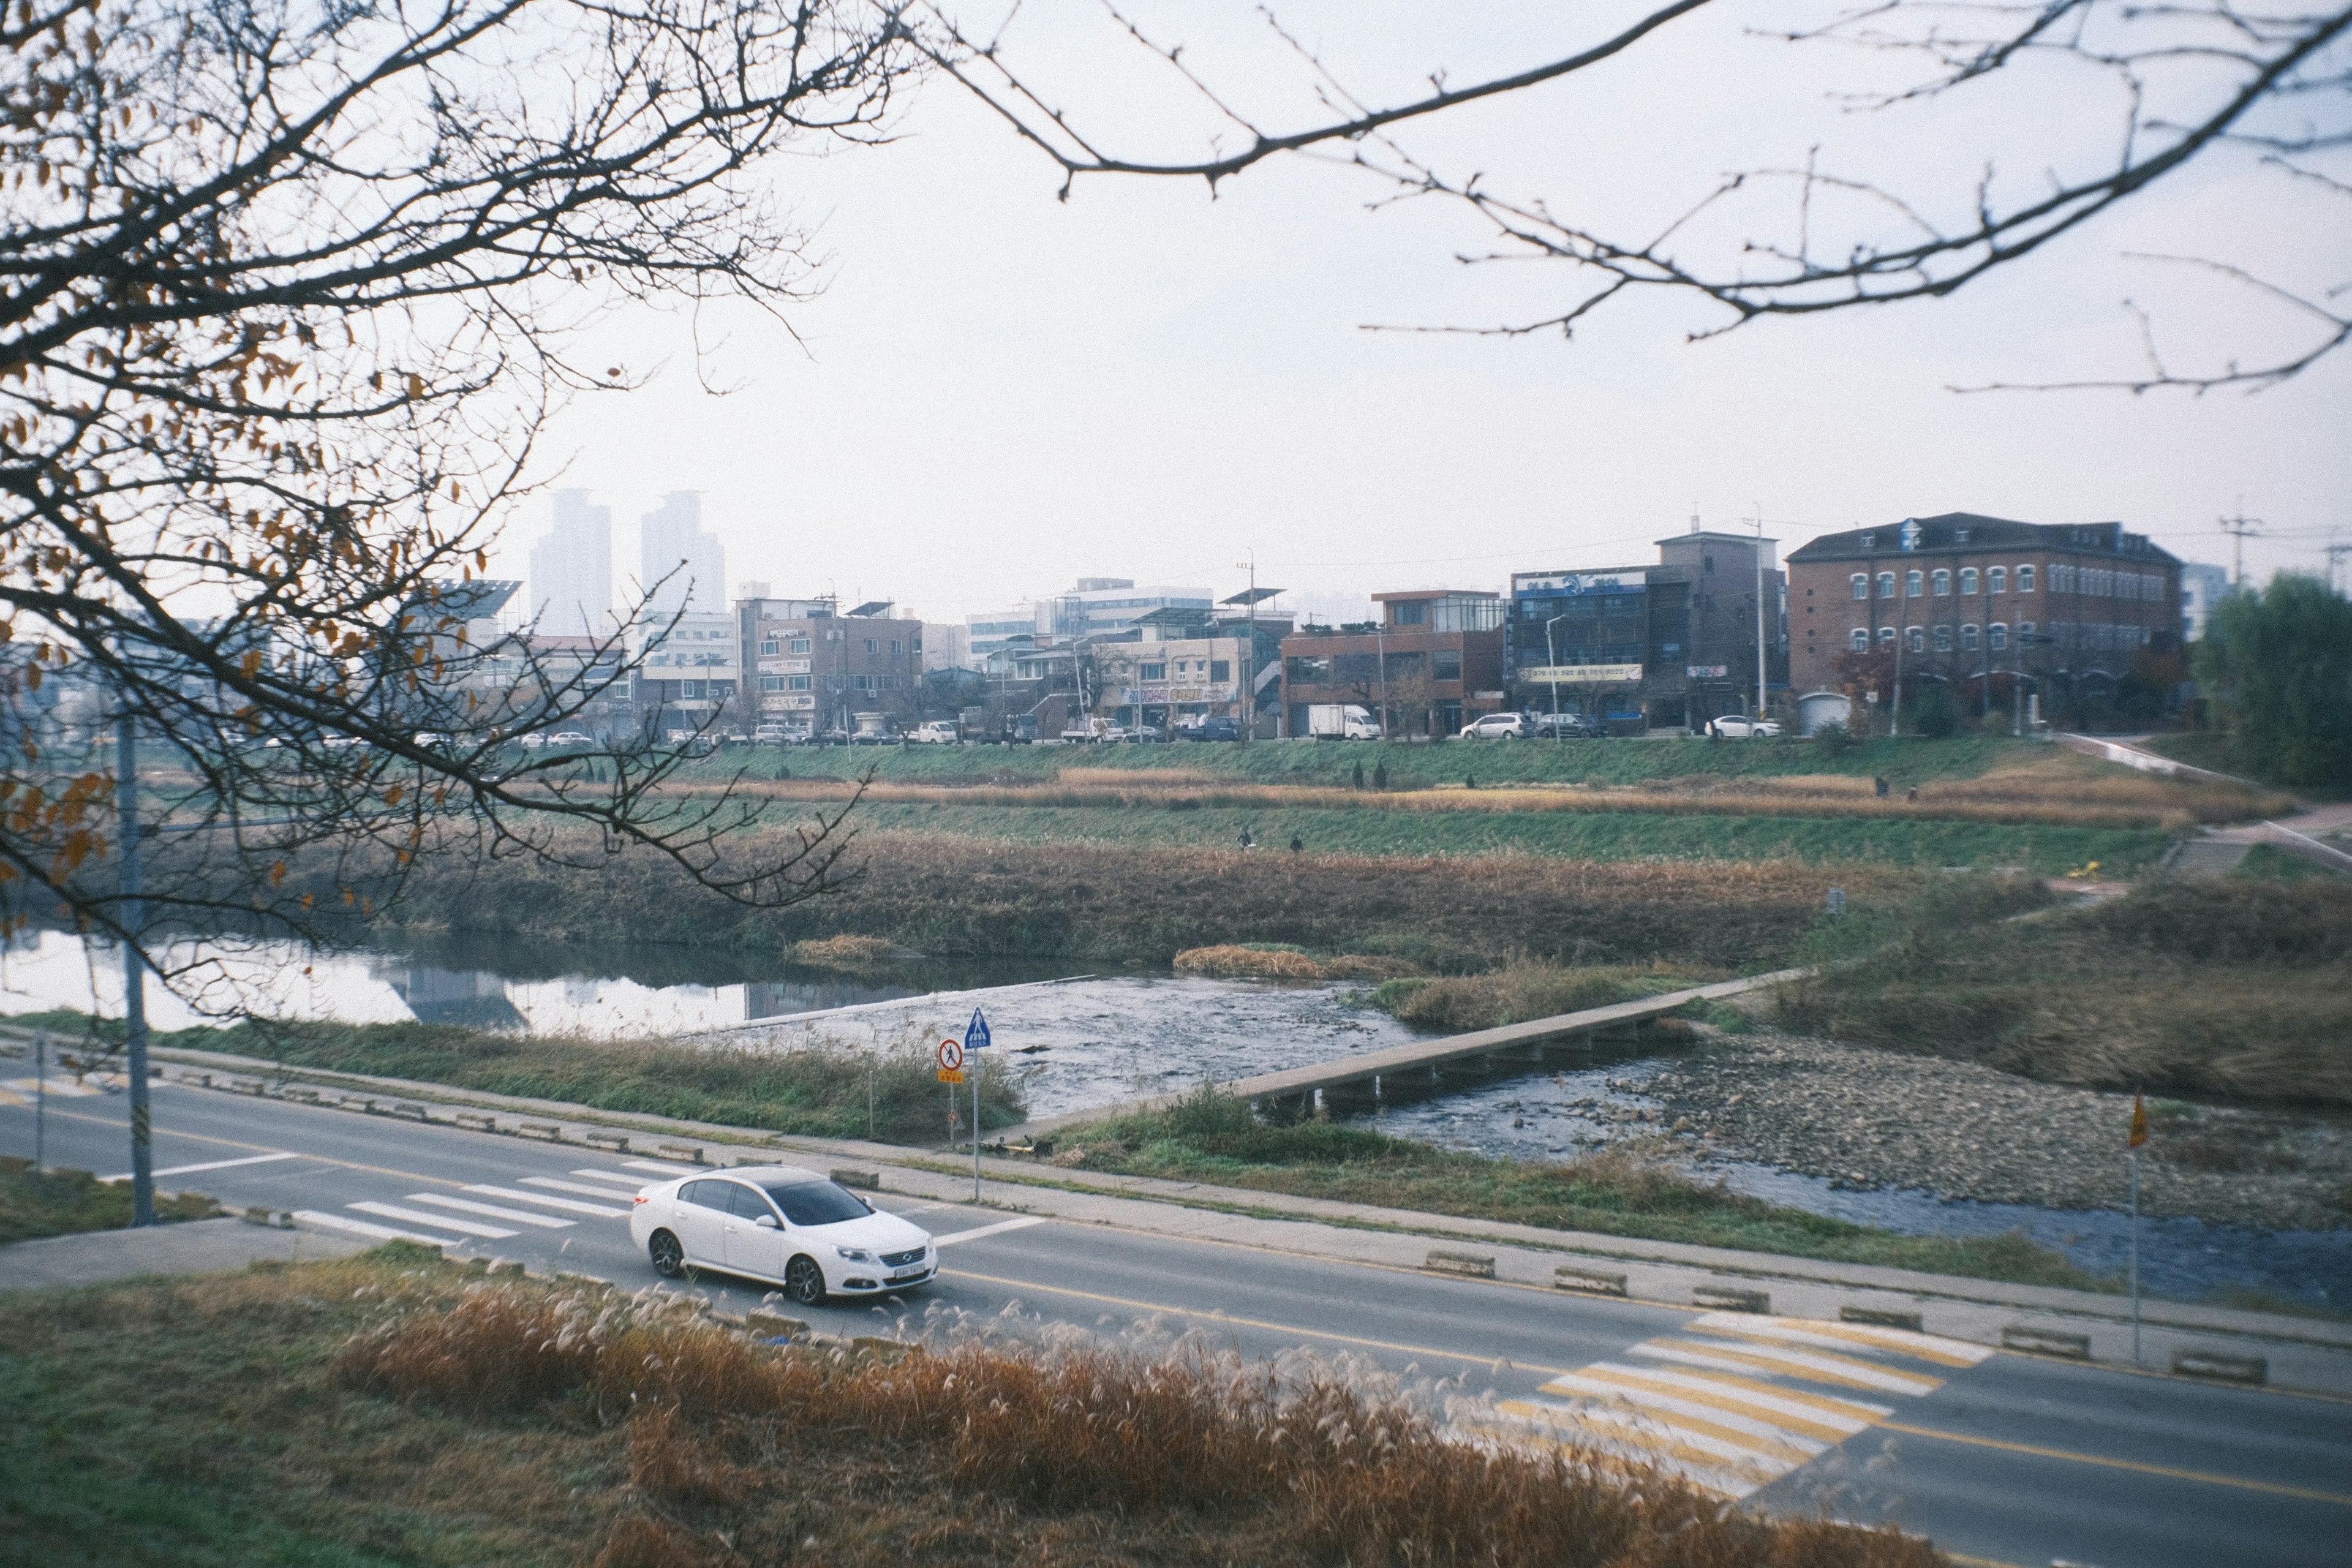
x=1869, y=1118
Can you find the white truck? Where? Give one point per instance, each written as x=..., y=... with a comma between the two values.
x=1341, y=721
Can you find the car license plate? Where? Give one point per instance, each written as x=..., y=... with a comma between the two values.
x=917, y=1272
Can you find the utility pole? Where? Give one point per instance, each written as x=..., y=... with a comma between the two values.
x=2237, y=528
x=2335, y=552
x=1248, y=691
x=1759, y=610
x=134, y=971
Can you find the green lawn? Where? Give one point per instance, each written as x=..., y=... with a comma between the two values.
x=1624, y=836
x=1906, y=762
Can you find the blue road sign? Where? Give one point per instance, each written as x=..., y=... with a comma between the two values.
x=975, y=1038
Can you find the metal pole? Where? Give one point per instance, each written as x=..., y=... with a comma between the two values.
x=2135, y=1255
x=40, y=1098
x=1760, y=610
x=134, y=975
x=1552, y=655
x=975, y=1131
x=869, y=1102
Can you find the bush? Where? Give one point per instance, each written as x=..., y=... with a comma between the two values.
x=1833, y=740
x=1934, y=714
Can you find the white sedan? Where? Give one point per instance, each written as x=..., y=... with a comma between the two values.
x=783, y=1224
x=1740, y=724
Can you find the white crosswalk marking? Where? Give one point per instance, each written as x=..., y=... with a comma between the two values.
x=569, y=1205
x=208, y=1165
x=1734, y=1401
x=551, y=1184
x=623, y=1178
x=491, y=1210
x=415, y=1216
x=655, y=1165
x=62, y=1088
x=360, y=1227
x=1001, y=1225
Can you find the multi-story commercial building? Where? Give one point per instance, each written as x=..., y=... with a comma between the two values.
x=1431, y=661
x=1657, y=646
x=1098, y=606
x=572, y=571
x=810, y=664
x=1183, y=664
x=2201, y=588
x=1970, y=599
x=990, y=632
x=685, y=567
x=947, y=645
x=689, y=667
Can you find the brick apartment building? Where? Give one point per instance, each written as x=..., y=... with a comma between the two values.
x=807, y=664
x=1970, y=600
x=1434, y=659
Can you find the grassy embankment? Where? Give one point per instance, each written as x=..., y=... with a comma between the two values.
x=1215, y=1138
x=1982, y=803
x=1104, y=903
x=2235, y=987
x=63, y=1202
x=389, y=1410
x=816, y=1092
x=2219, y=752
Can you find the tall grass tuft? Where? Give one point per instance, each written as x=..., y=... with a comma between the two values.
x=1362, y=1468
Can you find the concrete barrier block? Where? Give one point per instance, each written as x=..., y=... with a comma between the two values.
x=618, y=1143
x=1469, y=1265
x=871, y=1181
x=301, y=1094
x=690, y=1154
x=409, y=1109
x=247, y=1084
x=506, y=1267
x=1730, y=1299
x=2220, y=1365
x=1880, y=1317
x=774, y=1325
x=263, y=1214
x=476, y=1120
x=2046, y=1341
x=1593, y=1282
x=547, y=1130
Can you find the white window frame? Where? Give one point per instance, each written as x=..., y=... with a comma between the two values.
x=1997, y=580
x=1861, y=584
x=2025, y=578
x=1943, y=582
x=1968, y=580
x=1860, y=641
x=1968, y=637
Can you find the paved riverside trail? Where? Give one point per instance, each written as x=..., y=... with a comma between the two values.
x=2010, y=1460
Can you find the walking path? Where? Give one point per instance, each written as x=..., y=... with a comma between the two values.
x=191, y=1246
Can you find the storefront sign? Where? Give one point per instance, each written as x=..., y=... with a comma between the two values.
x=1579, y=674
x=1707, y=671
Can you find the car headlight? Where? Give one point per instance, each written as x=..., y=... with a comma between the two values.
x=854, y=1254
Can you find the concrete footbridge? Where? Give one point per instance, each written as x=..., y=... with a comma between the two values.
x=1419, y=1061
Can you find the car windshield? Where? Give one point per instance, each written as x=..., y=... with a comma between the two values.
x=817, y=1203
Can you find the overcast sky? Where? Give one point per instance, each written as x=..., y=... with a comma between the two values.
x=997, y=392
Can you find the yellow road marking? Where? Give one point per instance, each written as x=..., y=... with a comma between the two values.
x=1211, y=1315
x=1849, y=1409
x=2275, y=1487
x=1800, y=1364
x=1723, y=1402
x=1926, y=1347
x=1567, y=1417
x=1660, y=1439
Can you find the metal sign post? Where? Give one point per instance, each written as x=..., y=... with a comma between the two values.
x=2137, y=1137
x=40, y=1098
x=975, y=1038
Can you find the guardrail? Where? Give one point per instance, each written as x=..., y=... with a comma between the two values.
x=2304, y=846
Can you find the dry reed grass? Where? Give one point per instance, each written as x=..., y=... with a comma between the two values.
x=1525, y=988
x=1182, y=1441
x=2016, y=798
x=847, y=951
x=1236, y=962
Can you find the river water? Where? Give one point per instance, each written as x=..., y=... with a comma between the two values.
x=1089, y=1040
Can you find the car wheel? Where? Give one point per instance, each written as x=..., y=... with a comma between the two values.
x=668, y=1256
x=804, y=1281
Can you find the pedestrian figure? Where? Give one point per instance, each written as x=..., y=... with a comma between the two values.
x=1882, y=787
x=1912, y=795
x=1470, y=780
x=1297, y=843
x=1380, y=774
x=1247, y=842
x=1359, y=776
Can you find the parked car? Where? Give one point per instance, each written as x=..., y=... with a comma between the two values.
x=574, y=738
x=1495, y=727
x=1144, y=732
x=1341, y=721
x=937, y=732
x=1018, y=730
x=1566, y=727
x=1740, y=726
x=1211, y=726
x=775, y=734
x=783, y=1224
x=873, y=730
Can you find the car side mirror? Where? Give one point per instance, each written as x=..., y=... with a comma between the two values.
x=767, y=1222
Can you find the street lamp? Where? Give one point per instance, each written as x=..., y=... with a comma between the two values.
x=1551, y=658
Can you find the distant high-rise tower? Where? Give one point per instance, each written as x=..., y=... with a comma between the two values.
x=685, y=568
x=572, y=570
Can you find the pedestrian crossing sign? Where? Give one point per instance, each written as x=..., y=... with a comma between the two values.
x=975, y=1038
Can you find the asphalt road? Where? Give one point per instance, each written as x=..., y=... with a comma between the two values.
x=1998, y=1457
